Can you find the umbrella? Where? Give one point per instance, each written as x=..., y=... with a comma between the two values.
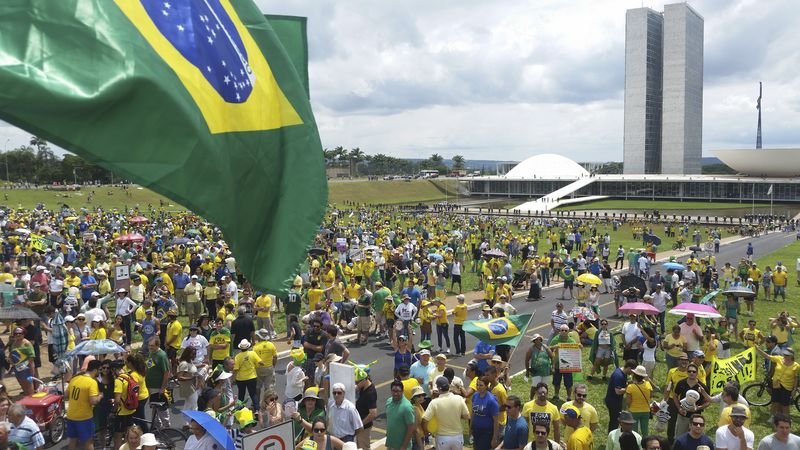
x=57, y=238
x=179, y=241
x=70, y=219
x=95, y=347
x=138, y=219
x=633, y=281
x=674, y=266
x=699, y=310
x=652, y=238
x=638, y=307
x=496, y=253
x=212, y=426
x=325, y=231
x=708, y=297
x=131, y=237
x=582, y=313
x=589, y=278
x=59, y=334
x=695, y=248
x=739, y=292
x=22, y=231
x=435, y=256
x=17, y=313
x=193, y=232
x=316, y=251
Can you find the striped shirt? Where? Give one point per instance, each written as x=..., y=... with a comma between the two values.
x=27, y=434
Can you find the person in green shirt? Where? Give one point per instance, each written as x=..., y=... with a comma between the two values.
x=378, y=300
x=158, y=373
x=555, y=344
x=400, y=419
x=363, y=311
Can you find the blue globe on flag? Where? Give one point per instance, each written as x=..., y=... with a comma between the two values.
x=498, y=326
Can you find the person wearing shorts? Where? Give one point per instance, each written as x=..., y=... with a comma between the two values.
x=562, y=338
x=538, y=361
x=83, y=394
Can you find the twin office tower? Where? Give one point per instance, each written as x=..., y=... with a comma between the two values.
x=663, y=91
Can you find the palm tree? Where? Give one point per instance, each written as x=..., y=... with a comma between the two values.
x=355, y=156
x=458, y=162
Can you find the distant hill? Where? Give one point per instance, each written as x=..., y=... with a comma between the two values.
x=710, y=161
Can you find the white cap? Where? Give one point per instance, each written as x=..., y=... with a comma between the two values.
x=40, y=268
x=148, y=439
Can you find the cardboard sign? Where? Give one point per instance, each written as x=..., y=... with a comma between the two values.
x=345, y=374
x=122, y=277
x=276, y=437
x=569, y=358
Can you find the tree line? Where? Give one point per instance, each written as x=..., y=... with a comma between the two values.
x=360, y=163
x=36, y=163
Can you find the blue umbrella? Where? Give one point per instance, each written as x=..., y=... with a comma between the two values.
x=179, y=241
x=674, y=266
x=212, y=427
x=95, y=347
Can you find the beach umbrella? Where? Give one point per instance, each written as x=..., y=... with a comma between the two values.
x=22, y=231
x=699, y=310
x=130, y=237
x=60, y=336
x=95, y=347
x=495, y=253
x=739, y=292
x=652, y=238
x=316, y=251
x=638, y=308
x=212, y=426
x=629, y=281
x=56, y=238
x=674, y=266
x=589, y=278
x=17, y=313
x=695, y=248
x=179, y=241
x=138, y=220
x=707, y=298
x=193, y=232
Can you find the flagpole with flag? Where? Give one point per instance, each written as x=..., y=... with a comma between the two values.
x=507, y=330
x=771, y=196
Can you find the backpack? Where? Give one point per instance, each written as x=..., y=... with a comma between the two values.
x=131, y=399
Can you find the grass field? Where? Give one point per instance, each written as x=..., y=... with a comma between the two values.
x=661, y=205
x=763, y=311
x=390, y=192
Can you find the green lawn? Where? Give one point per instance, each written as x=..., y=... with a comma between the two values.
x=660, y=205
x=390, y=191
x=763, y=311
x=105, y=197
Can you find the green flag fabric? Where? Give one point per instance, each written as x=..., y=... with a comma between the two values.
x=501, y=330
x=197, y=100
x=291, y=32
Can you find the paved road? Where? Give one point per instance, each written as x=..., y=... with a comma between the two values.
x=377, y=350
x=381, y=373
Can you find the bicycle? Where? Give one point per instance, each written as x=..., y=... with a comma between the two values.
x=760, y=394
x=168, y=437
x=679, y=245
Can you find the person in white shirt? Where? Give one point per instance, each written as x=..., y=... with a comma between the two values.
x=782, y=438
x=344, y=422
x=406, y=312
x=735, y=436
x=200, y=438
x=660, y=298
x=125, y=308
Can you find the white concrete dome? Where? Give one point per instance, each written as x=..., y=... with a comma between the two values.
x=547, y=166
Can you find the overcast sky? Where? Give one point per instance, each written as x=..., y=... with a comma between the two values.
x=507, y=80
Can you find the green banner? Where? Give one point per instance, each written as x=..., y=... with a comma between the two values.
x=293, y=35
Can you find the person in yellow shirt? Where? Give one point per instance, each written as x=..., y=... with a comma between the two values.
x=173, y=339
x=751, y=336
x=459, y=317
x=98, y=330
x=268, y=353
x=263, y=309
x=220, y=343
x=581, y=438
x=489, y=291
x=124, y=416
x=784, y=379
x=314, y=295
x=540, y=410
x=244, y=370
x=83, y=393
x=442, y=325
x=637, y=399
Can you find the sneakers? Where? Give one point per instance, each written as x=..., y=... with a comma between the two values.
x=447, y=351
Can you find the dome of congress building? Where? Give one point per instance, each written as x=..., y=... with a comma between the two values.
x=549, y=166
x=762, y=162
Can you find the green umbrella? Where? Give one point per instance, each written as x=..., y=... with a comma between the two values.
x=709, y=296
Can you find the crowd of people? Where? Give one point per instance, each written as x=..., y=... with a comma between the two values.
x=193, y=333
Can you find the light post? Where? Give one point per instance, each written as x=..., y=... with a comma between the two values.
x=5, y=157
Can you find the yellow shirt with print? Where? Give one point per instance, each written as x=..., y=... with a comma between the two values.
x=314, y=297
x=174, y=331
x=264, y=303
x=752, y=337
x=441, y=315
x=81, y=388
x=531, y=411
x=266, y=351
x=217, y=339
x=244, y=365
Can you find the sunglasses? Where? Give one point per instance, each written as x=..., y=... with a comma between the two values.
x=541, y=433
x=80, y=319
x=691, y=371
x=338, y=393
x=319, y=430
x=698, y=424
x=510, y=406
x=581, y=395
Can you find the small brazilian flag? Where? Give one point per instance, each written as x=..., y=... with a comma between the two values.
x=196, y=99
x=502, y=330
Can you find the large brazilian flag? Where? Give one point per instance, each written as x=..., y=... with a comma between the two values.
x=196, y=99
x=501, y=330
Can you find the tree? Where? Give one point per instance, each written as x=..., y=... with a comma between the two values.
x=458, y=162
x=355, y=156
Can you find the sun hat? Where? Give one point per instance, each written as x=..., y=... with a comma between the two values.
x=497, y=358
x=640, y=370
x=69, y=319
x=298, y=355
x=625, y=417
x=310, y=393
x=425, y=343
x=738, y=411
x=417, y=391
x=122, y=291
x=425, y=352
x=148, y=439
x=441, y=356
x=262, y=334
x=244, y=418
x=536, y=336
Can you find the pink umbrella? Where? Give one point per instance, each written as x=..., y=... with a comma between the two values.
x=138, y=220
x=637, y=308
x=698, y=309
x=132, y=237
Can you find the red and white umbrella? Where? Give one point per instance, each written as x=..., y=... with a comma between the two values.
x=138, y=219
x=131, y=237
x=638, y=308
